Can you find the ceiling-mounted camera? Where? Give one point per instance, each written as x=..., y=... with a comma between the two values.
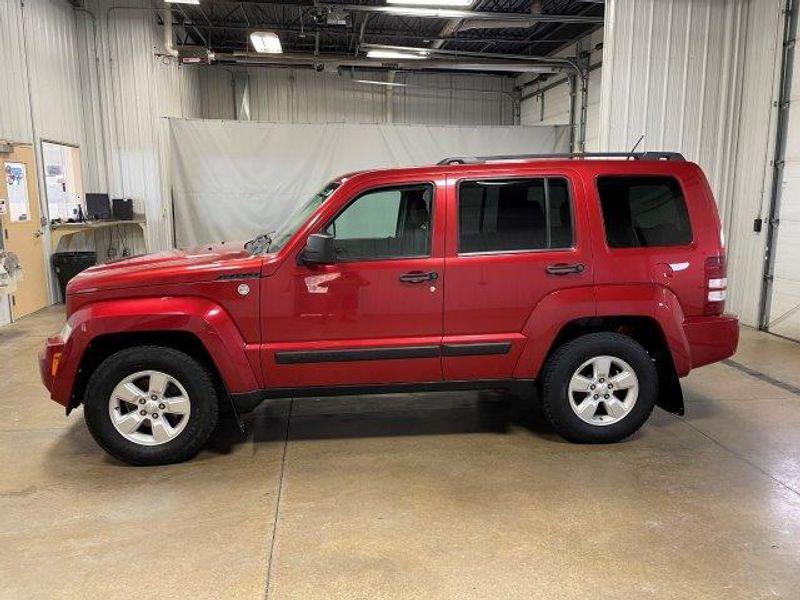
x=330, y=16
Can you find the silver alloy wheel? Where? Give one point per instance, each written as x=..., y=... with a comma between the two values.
x=603, y=390
x=149, y=408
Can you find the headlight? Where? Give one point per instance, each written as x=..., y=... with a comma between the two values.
x=65, y=332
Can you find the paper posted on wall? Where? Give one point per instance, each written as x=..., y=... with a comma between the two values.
x=10, y=272
x=17, y=186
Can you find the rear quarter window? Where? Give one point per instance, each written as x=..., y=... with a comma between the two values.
x=644, y=211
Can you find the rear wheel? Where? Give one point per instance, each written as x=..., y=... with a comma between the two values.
x=599, y=388
x=150, y=405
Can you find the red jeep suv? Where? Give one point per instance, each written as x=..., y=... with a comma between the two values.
x=598, y=282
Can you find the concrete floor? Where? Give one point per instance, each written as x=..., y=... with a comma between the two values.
x=441, y=496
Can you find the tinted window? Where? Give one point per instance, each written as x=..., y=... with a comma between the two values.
x=385, y=223
x=644, y=211
x=514, y=214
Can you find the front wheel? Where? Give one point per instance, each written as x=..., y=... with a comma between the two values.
x=599, y=388
x=151, y=405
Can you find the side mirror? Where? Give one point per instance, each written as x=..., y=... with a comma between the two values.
x=319, y=250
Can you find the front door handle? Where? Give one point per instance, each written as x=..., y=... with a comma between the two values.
x=419, y=276
x=564, y=268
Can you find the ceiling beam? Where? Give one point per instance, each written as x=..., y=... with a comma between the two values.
x=423, y=12
x=437, y=13
x=336, y=31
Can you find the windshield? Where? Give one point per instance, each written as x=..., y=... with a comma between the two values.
x=275, y=240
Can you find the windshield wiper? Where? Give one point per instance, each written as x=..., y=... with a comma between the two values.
x=259, y=243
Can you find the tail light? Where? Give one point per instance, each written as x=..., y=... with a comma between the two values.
x=716, y=285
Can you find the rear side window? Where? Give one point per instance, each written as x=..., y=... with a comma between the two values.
x=644, y=211
x=516, y=214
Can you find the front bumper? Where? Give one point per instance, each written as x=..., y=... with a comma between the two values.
x=711, y=339
x=51, y=363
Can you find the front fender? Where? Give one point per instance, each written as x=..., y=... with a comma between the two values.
x=206, y=320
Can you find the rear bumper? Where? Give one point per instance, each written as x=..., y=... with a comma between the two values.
x=711, y=339
x=51, y=365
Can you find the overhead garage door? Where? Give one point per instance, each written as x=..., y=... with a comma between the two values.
x=784, y=302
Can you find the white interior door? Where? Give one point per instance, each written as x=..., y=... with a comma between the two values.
x=22, y=228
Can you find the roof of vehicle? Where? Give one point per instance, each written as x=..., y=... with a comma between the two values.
x=504, y=162
x=462, y=160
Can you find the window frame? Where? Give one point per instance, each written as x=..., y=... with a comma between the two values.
x=684, y=196
x=78, y=169
x=546, y=178
x=388, y=186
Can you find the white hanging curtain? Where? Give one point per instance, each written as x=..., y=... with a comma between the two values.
x=232, y=180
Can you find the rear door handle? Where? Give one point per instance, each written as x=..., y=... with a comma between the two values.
x=419, y=276
x=564, y=268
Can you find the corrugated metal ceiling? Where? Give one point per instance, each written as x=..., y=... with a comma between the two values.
x=224, y=25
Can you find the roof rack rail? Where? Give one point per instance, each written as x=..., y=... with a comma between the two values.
x=468, y=160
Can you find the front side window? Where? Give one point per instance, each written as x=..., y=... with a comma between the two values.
x=644, y=211
x=514, y=214
x=390, y=222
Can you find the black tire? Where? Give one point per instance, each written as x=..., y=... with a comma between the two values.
x=191, y=374
x=560, y=368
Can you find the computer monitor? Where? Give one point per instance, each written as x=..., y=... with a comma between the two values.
x=122, y=209
x=98, y=206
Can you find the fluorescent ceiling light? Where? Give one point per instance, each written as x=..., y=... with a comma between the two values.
x=266, y=42
x=461, y=3
x=384, y=83
x=397, y=54
x=182, y=1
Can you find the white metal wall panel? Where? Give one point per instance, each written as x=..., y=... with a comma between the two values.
x=748, y=177
x=548, y=108
x=784, y=308
x=290, y=95
x=697, y=76
x=134, y=91
x=51, y=48
x=556, y=100
x=94, y=157
x=55, y=93
x=454, y=99
x=305, y=96
x=15, y=118
x=556, y=106
x=530, y=111
x=50, y=26
x=216, y=93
